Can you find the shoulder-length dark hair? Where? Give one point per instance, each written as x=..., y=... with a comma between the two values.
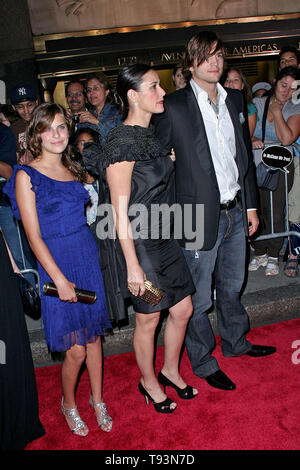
x=41, y=119
x=246, y=90
x=289, y=71
x=103, y=80
x=199, y=47
x=129, y=78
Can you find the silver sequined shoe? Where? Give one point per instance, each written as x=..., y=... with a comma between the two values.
x=104, y=421
x=73, y=414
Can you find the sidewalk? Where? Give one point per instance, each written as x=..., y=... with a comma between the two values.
x=267, y=300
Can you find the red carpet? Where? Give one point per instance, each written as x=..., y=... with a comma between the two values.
x=263, y=412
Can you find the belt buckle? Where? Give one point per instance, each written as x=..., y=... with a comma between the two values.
x=229, y=204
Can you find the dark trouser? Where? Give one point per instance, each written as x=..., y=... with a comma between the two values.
x=226, y=260
x=272, y=246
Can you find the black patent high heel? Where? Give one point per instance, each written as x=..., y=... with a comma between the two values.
x=186, y=393
x=161, y=407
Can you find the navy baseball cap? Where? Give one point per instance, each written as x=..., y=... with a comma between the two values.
x=22, y=93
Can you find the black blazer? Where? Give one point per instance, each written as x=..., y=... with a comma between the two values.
x=181, y=127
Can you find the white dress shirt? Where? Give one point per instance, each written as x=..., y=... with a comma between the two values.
x=221, y=140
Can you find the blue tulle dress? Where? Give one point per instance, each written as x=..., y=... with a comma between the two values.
x=60, y=209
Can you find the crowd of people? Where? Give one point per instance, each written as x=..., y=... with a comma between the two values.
x=138, y=147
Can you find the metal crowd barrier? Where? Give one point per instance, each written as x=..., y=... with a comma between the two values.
x=287, y=232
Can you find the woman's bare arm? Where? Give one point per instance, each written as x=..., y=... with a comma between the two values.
x=27, y=207
x=286, y=131
x=5, y=170
x=119, y=181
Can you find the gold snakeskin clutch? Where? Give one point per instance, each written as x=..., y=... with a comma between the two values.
x=152, y=294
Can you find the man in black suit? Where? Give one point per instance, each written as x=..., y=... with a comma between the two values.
x=215, y=183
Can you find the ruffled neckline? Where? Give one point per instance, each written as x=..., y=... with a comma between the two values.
x=136, y=129
x=42, y=174
x=125, y=131
x=43, y=185
x=131, y=143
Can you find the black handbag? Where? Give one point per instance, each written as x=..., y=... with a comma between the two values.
x=31, y=300
x=267, y=178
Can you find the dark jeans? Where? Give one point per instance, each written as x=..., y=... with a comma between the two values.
x=226, y=260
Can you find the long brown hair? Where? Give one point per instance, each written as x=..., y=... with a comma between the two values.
x=41, y=119
x=246, y=90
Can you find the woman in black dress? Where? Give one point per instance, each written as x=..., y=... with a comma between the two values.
x=19, y=414
x=140, y=179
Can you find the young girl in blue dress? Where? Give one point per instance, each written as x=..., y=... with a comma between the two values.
x=49, y=197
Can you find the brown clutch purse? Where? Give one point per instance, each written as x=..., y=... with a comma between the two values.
x=86, y=296
x=152, y=294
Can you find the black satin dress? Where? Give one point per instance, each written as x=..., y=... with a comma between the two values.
x=152, y=194
x=19, y=411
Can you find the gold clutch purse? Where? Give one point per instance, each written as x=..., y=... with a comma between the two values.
x=152, y=294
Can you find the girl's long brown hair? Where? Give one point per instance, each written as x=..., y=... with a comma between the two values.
x=41, y=119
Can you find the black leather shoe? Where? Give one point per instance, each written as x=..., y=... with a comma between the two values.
x=220, y=380
x=260, y=351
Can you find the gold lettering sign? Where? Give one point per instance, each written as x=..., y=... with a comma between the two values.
x=251, y=49
x=127, y=60
x=238, y=50
x=171, y=56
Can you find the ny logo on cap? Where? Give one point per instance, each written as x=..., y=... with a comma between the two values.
x=22, y=91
